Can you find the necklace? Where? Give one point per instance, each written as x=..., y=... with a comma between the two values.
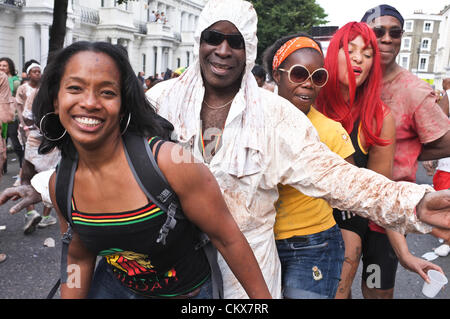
x=218, y=107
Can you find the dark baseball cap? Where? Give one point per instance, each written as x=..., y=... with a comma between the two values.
x=382, y=10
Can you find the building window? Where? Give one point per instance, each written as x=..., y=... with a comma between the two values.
x=423, y=63
x=428, y=26
x=426, y=44
x=409, y=26
x=406, y=44
x=187, y=58
x=144, y=62
x=22, y=51
x=404, y=61
x=155, y=59
x=102, y=4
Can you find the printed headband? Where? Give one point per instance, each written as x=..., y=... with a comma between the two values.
x=291, y=46
x=33, y=65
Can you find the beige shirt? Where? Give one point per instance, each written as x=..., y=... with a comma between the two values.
x=288, y=151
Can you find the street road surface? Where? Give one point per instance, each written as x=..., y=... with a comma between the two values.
x=32, y=269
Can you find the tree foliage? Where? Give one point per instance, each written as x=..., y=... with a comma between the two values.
x=279, y=18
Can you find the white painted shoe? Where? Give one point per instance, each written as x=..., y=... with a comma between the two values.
x=442, y=250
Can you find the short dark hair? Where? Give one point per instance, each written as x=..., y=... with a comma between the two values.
x=270, y=52
x=258, y=71
x=144, y=120
x=11, y=65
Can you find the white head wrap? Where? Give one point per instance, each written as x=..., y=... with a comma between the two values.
x=182, y=102
x=33, y=65
x=241, y=14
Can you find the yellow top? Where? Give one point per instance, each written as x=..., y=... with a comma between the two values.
x=298, y=214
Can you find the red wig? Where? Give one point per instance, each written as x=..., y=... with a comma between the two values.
x=365, y=101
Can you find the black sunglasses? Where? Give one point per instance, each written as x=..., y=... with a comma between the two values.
x=213, y=37
x=393, y=33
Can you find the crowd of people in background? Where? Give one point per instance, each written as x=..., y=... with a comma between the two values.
x=156, y=16
x=289, y=194
x=152, y=80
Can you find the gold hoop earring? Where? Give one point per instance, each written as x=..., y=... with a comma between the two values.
x=45, y=131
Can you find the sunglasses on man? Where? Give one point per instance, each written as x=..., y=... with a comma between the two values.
x=299, y=74
x=213, y=37
x=393, y=33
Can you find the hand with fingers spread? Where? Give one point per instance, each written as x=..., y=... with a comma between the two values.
x=26, y=193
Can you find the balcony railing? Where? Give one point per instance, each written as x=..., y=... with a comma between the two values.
x=141, y=26
x=87, y=15
x=14, y=3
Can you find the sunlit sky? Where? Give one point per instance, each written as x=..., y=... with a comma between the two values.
x=343, y=11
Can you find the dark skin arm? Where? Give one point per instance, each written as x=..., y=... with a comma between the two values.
x=203, y=204
x=437, y=149
x=79, y=281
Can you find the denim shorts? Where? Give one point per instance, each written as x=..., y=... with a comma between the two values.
x=311, y=265
x=105, y=285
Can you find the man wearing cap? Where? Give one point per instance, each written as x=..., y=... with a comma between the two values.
x=422, y=128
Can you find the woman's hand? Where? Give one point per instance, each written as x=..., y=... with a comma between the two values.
x=418, y=265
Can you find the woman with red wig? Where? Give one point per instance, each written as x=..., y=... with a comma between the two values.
x=352, y=97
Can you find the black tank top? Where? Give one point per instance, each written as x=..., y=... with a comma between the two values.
x=128, y=242
x=360, y=156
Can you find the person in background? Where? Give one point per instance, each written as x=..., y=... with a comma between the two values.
x=33, y=78
x=178, y=72
x=140, y=77
x=7, y=66
x=33, y=161
x=9, y=130
x=24, y=70
x=440, y=169
x=7, y=107
x=260, y=75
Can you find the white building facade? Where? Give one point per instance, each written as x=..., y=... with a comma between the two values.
x=442, y=65
x=153, y=46
x=425, y=49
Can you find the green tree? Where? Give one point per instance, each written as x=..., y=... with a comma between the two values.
x=279, y=18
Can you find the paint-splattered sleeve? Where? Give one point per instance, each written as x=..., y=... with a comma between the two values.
x=309, y=166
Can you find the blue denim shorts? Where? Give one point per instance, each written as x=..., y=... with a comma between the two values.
x=311, y=265
x=105, y=285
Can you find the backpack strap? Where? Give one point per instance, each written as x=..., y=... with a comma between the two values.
x=65, y=173
x=146, y=171
x=152, y=181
